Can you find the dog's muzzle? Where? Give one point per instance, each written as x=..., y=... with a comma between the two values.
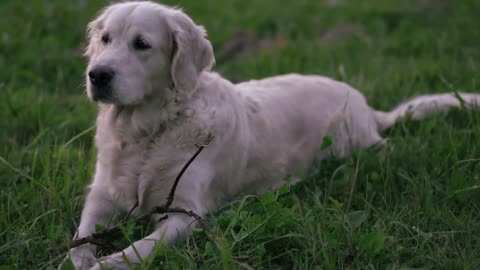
x=101, y=79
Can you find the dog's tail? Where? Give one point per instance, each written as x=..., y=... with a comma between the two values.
x=427, y=105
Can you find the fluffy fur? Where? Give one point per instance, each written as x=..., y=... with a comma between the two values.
x=163, y=100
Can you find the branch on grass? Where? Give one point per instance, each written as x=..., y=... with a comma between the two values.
x=102, y=238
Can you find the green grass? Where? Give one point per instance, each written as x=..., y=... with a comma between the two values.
x=420, y=208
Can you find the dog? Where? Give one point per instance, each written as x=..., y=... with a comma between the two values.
x=149, y=70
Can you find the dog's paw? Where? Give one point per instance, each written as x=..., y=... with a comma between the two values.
x=66, y=264
x=115, y=261
x=82, y=258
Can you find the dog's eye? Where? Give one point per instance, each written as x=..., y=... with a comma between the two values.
x=105, y=38
x=140, y=44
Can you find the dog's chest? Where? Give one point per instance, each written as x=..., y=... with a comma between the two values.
x=135, y=172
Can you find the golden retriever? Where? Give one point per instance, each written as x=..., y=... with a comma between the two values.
x=149, y=71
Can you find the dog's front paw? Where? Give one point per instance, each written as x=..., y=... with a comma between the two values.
x=115, y=261
x=82, y=258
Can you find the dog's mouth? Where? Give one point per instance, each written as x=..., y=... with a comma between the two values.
x=101, y=94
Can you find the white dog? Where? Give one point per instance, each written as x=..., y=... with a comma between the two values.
x=149, y=72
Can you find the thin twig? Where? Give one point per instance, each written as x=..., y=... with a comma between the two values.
x=171, y=196
x=129, y=214
x=99, y=238
x=162, y=210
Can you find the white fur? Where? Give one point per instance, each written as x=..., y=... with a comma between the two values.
x=165, y=100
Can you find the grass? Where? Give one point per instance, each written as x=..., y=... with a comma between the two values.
x=420, y=208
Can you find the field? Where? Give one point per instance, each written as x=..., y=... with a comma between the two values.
x=418, y=208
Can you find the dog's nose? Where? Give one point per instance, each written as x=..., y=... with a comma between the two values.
x=101, y=76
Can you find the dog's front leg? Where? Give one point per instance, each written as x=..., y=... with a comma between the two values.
x=189, y=195
x=98, y=209
x=174, y=226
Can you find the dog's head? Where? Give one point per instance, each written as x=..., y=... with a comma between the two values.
x=140, y=49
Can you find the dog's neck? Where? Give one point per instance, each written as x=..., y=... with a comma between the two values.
x=146, y=120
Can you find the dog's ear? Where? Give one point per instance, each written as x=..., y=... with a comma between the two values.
x=191, y=53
